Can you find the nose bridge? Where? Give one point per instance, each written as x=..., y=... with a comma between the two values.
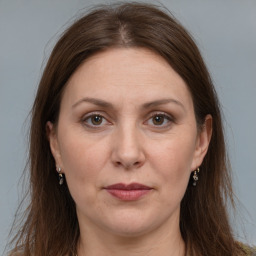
x=128, y=150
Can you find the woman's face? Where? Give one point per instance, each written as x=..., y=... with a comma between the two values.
x=127, y=118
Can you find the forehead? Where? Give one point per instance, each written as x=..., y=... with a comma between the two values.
x=121, y=74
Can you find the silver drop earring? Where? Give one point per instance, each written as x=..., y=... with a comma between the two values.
x=195, y=176
x=61, y=178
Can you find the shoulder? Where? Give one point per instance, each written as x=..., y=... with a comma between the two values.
x=15, y=254
x=253, y=251
x=249, y=250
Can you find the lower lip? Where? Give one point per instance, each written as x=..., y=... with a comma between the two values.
x=128, y=195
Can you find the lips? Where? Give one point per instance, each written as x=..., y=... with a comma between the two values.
x=132, y=186
x=128, y=192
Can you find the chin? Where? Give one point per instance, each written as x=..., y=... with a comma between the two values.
x=129, y=230
x=130, y=224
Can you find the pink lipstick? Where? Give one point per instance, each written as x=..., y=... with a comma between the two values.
x=130, y=192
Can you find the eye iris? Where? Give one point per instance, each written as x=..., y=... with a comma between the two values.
x=96, y=120
x=157, y=120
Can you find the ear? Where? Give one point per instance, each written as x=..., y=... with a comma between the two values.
x=202, y=143
x=54, y=145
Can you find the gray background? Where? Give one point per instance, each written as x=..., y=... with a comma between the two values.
x=226, y=34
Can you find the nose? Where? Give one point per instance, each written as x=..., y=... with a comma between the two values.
x=127, y=151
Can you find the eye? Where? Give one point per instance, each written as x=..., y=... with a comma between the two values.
x=160, y=119
x=94, y=120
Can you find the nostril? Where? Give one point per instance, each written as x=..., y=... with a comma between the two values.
x=128, y=166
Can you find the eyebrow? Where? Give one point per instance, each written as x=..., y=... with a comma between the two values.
x=98, y=102
x=162, y=102
x=105, y=104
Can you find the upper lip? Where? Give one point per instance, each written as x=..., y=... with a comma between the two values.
x=131, y=186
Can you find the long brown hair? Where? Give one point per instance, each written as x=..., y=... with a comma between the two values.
x=51, y=226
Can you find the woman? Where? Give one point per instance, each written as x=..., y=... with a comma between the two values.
x=127, y=154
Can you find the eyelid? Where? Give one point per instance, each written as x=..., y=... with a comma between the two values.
x=155, y=113
x=91, y=114
x=169, y=117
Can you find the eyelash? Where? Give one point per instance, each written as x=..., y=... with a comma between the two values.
x=167, y=117
x=84, y=119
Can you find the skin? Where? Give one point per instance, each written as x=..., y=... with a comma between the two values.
x=131, y=143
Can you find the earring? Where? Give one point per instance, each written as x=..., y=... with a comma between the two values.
x=195, y=176
x=61, y=178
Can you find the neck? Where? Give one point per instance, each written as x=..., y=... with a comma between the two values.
x=164, y=241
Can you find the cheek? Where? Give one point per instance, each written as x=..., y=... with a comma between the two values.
x=171, y=163
x=172, y=158
x=82, y=158
x=83, y=162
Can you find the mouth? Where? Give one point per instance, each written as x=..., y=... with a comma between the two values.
x=128, y=192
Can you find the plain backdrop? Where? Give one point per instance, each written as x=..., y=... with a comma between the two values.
x=225, y=32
